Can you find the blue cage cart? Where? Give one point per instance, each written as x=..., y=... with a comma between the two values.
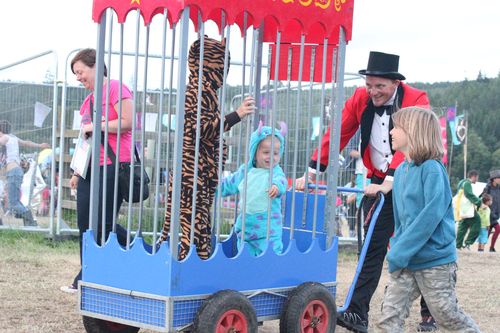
x=144, y=285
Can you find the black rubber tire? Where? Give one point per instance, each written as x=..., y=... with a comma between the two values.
x=226, y=309
x=95, y=325
x=310, y=308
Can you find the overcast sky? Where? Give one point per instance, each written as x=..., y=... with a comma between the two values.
x=438, y=40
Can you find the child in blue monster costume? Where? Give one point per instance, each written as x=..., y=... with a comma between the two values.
x=265, y=153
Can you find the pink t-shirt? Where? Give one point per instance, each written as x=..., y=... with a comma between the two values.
x=126, y=137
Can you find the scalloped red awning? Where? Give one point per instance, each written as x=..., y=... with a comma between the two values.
x=317, y=19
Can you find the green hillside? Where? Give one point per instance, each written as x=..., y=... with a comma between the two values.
x=480, y=99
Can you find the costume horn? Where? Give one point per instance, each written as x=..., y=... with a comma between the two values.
x=283, y=128
x=259, y=129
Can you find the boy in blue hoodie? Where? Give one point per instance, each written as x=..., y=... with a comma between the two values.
x=265, y=180
x=422, y=257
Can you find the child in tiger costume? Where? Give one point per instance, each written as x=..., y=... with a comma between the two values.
x=208, y=154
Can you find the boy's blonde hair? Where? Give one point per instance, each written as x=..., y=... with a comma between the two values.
x=424, y=133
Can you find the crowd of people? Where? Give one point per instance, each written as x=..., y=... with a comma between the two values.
x=485, y=211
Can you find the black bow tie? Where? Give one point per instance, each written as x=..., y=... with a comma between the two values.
x=380, y=109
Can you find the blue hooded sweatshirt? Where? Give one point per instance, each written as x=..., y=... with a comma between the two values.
x=257, y=197
x=424, y=229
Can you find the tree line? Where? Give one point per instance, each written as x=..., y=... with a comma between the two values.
x=480, y=100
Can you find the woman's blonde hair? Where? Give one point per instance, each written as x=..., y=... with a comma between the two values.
x=424, y=133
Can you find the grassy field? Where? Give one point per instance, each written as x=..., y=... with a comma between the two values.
x=32, y=268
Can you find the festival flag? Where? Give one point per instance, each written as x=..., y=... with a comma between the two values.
x=452, y=122
x=442, y=121
x=41, y=112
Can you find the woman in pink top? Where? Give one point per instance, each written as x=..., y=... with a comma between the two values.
x=83, y=66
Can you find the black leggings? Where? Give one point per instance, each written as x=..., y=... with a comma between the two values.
x=83, y=210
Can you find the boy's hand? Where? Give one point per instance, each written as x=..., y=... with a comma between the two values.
x=273, y=191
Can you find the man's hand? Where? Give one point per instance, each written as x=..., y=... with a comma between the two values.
x=372, y=189
x=354, y=153
x=300, y=183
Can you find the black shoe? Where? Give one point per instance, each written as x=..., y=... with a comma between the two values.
x=492, y=249
x=352, y=322
x=28, y=219
x=428, y=324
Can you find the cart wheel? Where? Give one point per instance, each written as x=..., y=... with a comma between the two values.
x=95, y=325
x=310, y=308
x=226, y=311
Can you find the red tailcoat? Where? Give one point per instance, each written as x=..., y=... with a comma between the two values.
x=352, y=118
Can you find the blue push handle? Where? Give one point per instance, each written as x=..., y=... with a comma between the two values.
x=366, y=243
x=339, y=189
x=362, y=257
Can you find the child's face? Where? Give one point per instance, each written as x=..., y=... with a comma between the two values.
x=399, y=139
x=263, y=155
x=488, y=202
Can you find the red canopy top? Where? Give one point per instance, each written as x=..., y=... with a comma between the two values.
x=317, y=19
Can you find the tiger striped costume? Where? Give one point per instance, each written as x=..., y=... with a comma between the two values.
x=213, y=75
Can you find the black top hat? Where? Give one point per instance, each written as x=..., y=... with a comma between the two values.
x=383, y=65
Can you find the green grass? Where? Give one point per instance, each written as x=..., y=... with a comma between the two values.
x=29, y=242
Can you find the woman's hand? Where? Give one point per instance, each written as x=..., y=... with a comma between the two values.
x=247, y=107
x=88, y=129
x=44, y=145
x=73, y=182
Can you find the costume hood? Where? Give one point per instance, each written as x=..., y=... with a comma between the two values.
x=213, y=61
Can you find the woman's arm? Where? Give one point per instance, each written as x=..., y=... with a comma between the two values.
x=126, y=119
x=27, y=143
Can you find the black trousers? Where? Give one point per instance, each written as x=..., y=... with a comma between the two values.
x=83, y=210
x=369, y=276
